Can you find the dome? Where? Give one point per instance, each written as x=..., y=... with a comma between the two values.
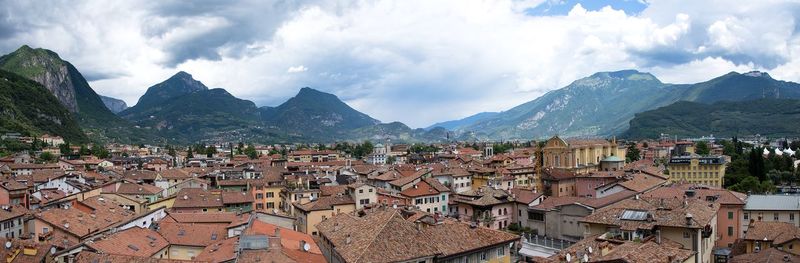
x=612, y=159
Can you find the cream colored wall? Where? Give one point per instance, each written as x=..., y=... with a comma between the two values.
x=166, y=203
x=315, y=217
x=184, y=252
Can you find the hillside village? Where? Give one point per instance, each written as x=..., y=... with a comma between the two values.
x=559, y=200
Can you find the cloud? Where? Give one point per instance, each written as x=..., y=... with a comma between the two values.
x=297, y=69
x=418, y=62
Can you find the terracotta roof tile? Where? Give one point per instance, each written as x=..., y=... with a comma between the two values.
x=191, y=234
x=135, y=241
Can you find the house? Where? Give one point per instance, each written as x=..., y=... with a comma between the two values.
x=187, y=240
x=135, y=241
x=524, y=199
x=363, y=194
x=386, y=234
x=12, y=221
x=762, y=235
x=428, y=195
x=13, y=192
x=687, y=221
x=283, y=244
x=777, y=208
x=198, y=200
x=312, y=213
x=267, y=192
x=559, y=217
x=237, y=201
x=493, y=208
x=729, y=216
x=602, y=248
x=71, y=224
x=20, y=250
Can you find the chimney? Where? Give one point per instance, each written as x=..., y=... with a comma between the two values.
x=278, y=232
x=688, y=219
x=347, y=241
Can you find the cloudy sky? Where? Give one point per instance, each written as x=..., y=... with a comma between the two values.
x=418, y=62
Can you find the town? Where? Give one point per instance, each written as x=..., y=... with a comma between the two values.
x=554, y=200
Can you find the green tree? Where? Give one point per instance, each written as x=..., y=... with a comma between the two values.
x=632, y=154
x=99, y=151
x=251, y=152
x=701, y=148
x=240, y=148
x=47, y=157
x=85, y=150
x=171, y=151
x=391, y=160
x=189, y=153
x=756, y=165
x=210, y=151
x=65, y=148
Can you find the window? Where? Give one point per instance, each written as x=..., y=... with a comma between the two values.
x=259, y=206
x=418, y=201
x=45, y=230
x=791, y=216
x=483, y=255
x=501, y=252
x=270, y=194
x=444, y=197
x=685, y=234
x=360, y=191
x=536, y=216
x=259, y=196
x=775, y=216
x=270, y=205
x=363, y=201
x=730, y=231
x=370, y=190
x=746, y=216
x=730, y=214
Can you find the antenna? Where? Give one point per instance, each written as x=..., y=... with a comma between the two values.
x=306, y=247
x=8, y=244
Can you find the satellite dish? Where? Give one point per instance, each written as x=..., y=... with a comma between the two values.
x=8, y=244
x=585, y=257
x=306, y=247
x=52, y=250
x=590, y=250
x=569, y=257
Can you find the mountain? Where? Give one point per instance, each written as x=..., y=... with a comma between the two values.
x=768, y=117
x=114, y=105
x=29, y=108
x=180, y=84
x=64, y=81
x=596, y=105
x=458, y=124
x=183, y=110
x=741, y=87
x=315, y=115
x=604, y=103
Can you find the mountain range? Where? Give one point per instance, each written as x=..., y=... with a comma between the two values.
x=604, y=103
x=183, y=110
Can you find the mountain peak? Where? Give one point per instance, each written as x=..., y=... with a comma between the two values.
x=180, y=84
x=757, y=74
x=182, y=75
x=628, y=74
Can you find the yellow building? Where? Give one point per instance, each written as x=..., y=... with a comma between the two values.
x=312, y=213
x=762, y=235
x=695, y=169
x=313, y=156
x=578, y=155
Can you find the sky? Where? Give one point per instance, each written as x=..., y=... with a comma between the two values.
x=418, y=62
